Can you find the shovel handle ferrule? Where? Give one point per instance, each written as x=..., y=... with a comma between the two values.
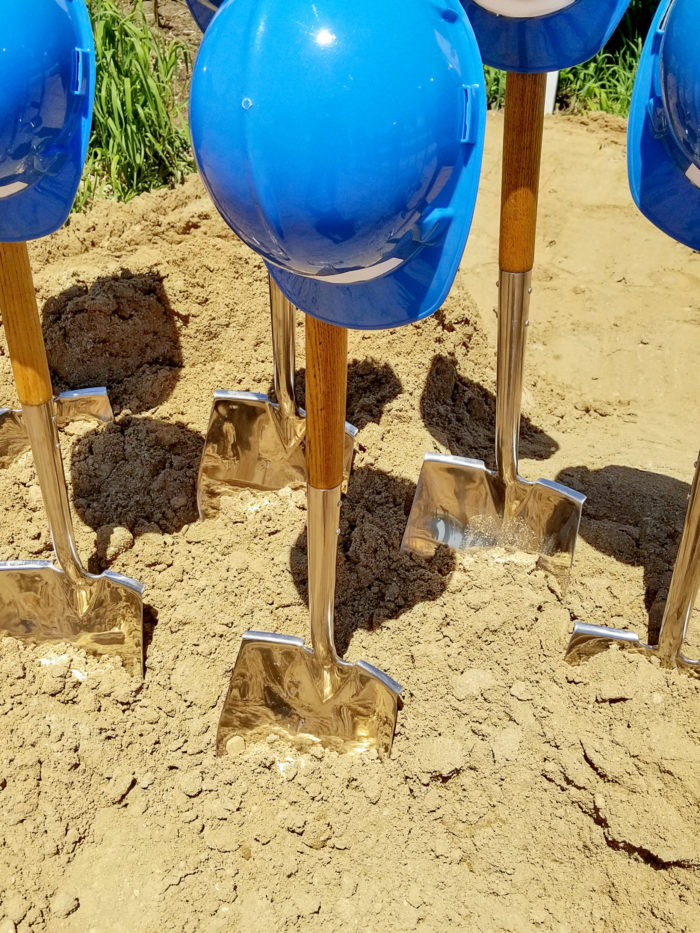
x=513, y=306
x=40, y=424
x=322, y=537
x=20, y=317
x=522, y=148
x=283, y=350
x=326, y=392
x=685, y=581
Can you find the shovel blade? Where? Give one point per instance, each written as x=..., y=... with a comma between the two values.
x=36, y=607
x=277, y=686
x=249, y=445
x=75, y=405
x=460, y=504
x=587, y=640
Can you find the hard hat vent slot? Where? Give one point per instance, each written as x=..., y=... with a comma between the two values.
x=469, y=122
x=81, y=65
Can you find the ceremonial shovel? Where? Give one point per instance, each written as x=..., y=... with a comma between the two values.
x=253, y=442
x=278, y=685
x=458, y=502
x=588, y=640
x=74, y=405
x=38, y=601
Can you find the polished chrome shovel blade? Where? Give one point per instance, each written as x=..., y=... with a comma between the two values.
x=252, y=442
x=37, y=606
x=42, y=603
x=310, y=695
x=76, y=405
x=588, y=640
x=461, y=504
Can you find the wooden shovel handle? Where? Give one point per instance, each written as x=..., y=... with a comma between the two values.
x=326, y=391
x=20, y=318
x=522, y=147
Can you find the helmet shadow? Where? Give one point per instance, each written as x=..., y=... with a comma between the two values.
x=120, y=332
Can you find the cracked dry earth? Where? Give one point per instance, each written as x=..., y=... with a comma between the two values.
x=522, y=793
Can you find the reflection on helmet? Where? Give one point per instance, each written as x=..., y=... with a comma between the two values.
x=47, y=79
x=680, y=76
x=332, y=136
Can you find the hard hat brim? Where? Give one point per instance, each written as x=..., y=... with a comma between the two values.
x=42, y=208
x=414, y=290
x=661, y=189
x=545, y=43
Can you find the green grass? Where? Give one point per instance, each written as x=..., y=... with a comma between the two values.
x=139, y=140
x=603, y=83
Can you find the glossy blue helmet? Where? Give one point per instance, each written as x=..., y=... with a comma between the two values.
x=663, y=136
x=342, y=141
x=47, y=79
x=203, y=11
x=542, y=35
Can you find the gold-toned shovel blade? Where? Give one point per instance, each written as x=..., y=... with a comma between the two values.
x=460, y=504
x=277, y=687
x=36, y=607
x=249, y=446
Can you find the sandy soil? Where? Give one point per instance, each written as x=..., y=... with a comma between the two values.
x=522, y=793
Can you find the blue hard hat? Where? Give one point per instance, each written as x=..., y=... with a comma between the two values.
x=47, y=76
x=343, y=141
x=203, y=11
x=542, y=35
x=663, y=135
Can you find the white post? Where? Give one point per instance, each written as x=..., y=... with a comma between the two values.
x=550, y=95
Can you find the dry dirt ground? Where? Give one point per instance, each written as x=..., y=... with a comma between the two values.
x=522, y=793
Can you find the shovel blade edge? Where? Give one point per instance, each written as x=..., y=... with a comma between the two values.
x=247, y=446
x=278, y=687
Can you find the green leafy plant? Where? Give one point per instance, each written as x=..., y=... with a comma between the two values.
x=603, y=83
x=495, y=83
x=139, y=140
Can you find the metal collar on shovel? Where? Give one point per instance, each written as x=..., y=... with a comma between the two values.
x=278, y=685
x=252, y=442
x=40, y=602
x=588, y=640
x=458, y=502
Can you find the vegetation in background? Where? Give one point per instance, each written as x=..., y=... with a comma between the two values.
x=606, y=81
x=603, y=83
x=139, y=140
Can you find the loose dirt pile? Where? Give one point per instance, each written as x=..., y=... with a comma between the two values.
x=522, y=793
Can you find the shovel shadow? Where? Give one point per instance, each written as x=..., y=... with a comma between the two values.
x=375, y=581
x=461, y=415
x=371, y=386
x=120, y=332
x=636, y=517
